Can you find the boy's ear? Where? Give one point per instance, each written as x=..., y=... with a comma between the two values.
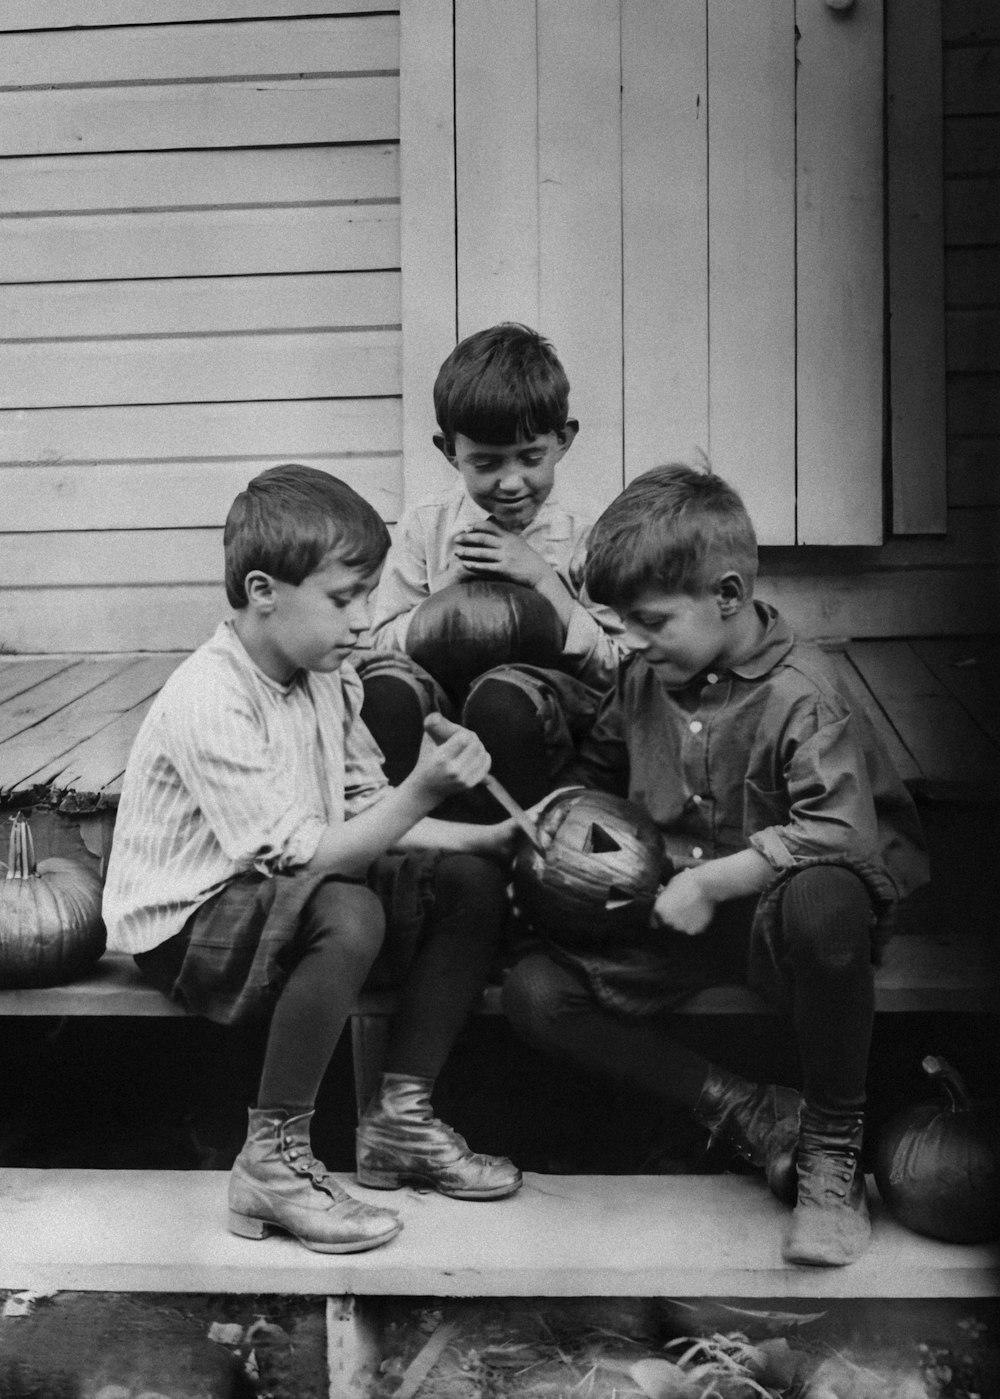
x=446, y=448
x=566, y=435
x=731, y=592
x=259, y=588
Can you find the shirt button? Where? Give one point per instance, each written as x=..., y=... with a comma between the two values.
x=695, y=726
x=697, y=852
x=712, y=678
x=696, y=800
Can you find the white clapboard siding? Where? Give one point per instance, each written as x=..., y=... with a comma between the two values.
x=664, y=231
x=259, y=112
x=154, y=180
x=176, y=306
x=202, y=243
x=53, y=14
x=183, y=52
x=135, y=618
x=839, y=172
x=751, y=261
x=178, y=494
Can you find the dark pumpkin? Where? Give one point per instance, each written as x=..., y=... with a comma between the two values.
x=598, y=878
x=51, y=929
x=937, y=1164
x=469, y=627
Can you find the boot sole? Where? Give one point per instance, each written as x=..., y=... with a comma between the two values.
x=395, y=1180
x=248, y=1226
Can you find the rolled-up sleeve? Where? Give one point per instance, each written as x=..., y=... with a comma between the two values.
x=825, y=806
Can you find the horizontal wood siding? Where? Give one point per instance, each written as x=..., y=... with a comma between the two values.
x=199, y=277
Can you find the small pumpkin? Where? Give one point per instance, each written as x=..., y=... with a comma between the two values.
x=937, y=1164
x=602, y=866
x=467, y=628
x=51, y=929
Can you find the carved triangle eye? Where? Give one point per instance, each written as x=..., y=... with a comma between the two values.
x=600, y=842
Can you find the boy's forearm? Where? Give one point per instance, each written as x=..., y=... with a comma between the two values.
x=733, y=876
x=454, y=837
x=349, y=847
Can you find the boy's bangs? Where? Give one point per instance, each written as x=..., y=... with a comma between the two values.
x=507, y=412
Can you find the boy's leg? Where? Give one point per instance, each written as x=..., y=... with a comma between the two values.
x=826, y=921
x=529, y=720
x=276, y=1181
x=399, y=695
x=551, y=1008
x=398, y=1138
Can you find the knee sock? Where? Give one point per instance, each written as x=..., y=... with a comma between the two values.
x=826, y=922
x=452, y=965
x=341, y=934
x=393, y=714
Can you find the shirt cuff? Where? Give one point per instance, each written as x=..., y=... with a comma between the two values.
x=769, y=844
x=297, y=850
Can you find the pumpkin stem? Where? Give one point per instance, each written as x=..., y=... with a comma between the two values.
x=21, y=850
x=950, y=1079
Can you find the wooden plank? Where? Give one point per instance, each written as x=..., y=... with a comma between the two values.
x=27, y=14
x=111, y=557
x=200, y=243
x=973, y=405
x=114, y=987
x=212, y=114
x=93, y=765
x=970, y=210
x=180, y=305
x=306, y=428
x=580, y=241
x=851, y=685
x=130, y=495
x=969, y=669
x=18, y=676
x=427, y=235
x=840, y=257
x=191, y=369
x=176, y=53
x=971, y=144
x=63, y=687
x=141, y=618
x=664, y=231
x=948, y=745
x=497, y=90
x=970, y=21
x=969, y=275
x=974, y=472
x=644, y=1236
x=915, y=266
x=130, y=180
x=972, y=79
x=973, y=339
x=751, y=221
x=34, y=751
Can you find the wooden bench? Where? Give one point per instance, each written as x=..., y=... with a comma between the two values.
x=921, y=972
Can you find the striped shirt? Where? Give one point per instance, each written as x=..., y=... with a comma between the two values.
x=231, y=771
x=422, y=561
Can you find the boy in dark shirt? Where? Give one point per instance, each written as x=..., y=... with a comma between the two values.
x=792, y=837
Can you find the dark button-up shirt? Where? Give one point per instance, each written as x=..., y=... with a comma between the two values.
x=767, y=753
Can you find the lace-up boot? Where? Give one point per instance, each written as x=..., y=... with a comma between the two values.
x=759, y=1121
x=830, y=1223
x=400, y=1140
x=277, y=1183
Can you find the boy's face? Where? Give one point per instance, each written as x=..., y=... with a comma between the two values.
x=315, y=624
x=678, y=634
x=512, y=481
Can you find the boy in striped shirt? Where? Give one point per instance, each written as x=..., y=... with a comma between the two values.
x=260, y=856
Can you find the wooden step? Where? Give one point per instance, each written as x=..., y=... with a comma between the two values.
x=561, y=1236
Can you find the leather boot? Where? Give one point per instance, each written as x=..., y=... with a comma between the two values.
x=399, y=1139
x=277, y=1183
x=830, y=1223
x=759, y=1121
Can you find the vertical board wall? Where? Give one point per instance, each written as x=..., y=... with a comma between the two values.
x=199, y=277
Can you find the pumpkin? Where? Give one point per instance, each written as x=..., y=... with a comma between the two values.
x=469, y=627
x=50, y=916
x=937, y=1164
x=598, y=872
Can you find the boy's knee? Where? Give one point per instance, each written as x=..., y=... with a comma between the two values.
x=533, y=997
x=474, y=887
x=827, y=918
x=350, y=916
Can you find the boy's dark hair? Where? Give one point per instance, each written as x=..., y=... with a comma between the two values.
x=501, y=384
x=289, y=518
x=675, y=528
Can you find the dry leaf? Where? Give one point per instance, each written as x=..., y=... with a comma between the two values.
x=662, y=1379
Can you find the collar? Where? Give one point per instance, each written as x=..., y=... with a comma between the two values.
x=774, y=645
x=470, y=513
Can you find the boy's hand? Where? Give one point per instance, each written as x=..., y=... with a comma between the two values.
x=497, y=840
x=683, y=905
x=488, y=551
x=451, y=759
